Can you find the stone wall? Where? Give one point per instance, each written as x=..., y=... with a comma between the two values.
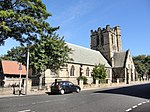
x=65, y=74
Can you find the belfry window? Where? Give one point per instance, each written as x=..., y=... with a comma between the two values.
x=112, y=38
x=72, y=71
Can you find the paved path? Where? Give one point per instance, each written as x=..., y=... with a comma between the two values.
x=123, y=99
x=91, y=88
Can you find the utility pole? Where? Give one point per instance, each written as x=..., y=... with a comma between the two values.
x=26, y=90
x=20, y=69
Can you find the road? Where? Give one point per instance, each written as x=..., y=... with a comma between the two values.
x=123, y=99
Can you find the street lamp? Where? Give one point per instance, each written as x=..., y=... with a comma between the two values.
x=27, y=71
x=20, y=69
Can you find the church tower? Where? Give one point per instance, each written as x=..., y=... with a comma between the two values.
x=107, y=41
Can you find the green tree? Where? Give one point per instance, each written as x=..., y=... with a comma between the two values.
x=99, y=72
x=16, y=54
x=23, y=20
x=142, y=65
x=49, y=53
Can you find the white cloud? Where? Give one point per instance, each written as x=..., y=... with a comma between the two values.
x=75, y=11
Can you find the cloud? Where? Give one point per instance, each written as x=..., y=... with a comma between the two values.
x=75, y=11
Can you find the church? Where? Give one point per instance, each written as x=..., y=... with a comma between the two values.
x=105, y=48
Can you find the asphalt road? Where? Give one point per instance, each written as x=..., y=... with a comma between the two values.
x=124, y=99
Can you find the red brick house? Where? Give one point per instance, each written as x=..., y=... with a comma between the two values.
x=10, y=72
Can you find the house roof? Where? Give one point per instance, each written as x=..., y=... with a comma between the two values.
x=86, y=56
x=120, y=59
x=12, y=68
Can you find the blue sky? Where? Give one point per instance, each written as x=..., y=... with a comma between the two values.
x=77, y=17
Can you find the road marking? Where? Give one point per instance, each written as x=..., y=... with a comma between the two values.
x=33, y=103
x=94, y=93
x=140, y=104
x=25, y=110
x=128, y=109
x=143, y=102
x=134, y=106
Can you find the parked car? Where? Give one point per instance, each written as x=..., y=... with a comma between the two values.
x=63, y=87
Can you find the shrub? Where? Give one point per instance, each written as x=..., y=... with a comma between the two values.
x=82, y=78
x=99, y=73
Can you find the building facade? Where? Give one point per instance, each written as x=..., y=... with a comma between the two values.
x=11, y=72
x=84, y=60
x=105, y=48
x=108, y=42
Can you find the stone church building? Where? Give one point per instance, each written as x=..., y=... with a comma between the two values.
x=106, y=48
x=108, y=42
x=83, y=62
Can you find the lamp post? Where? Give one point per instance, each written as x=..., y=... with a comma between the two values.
x=26, y=90
x=20, y=69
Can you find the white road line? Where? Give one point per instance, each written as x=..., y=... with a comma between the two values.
x=25, y=110
x=143, y=102
x=128, y=109
x=46, y=101
x=134, y=106
x=140, y=104
x=33, y=103
x=94, y=93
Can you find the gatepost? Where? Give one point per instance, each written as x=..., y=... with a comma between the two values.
x=81, y=84
x=97, y=83
x=118, y=81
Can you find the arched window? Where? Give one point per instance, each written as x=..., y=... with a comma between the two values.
x=87, y=71
x=72, y=71
x=112, y=39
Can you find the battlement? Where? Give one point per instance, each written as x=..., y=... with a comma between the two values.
x=106, y=40
x=106, y=29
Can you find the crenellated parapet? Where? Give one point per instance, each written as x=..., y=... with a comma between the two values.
x=106, y=40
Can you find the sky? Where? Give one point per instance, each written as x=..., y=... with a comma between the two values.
x=77, y=17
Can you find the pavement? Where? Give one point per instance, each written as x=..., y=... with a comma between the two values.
x=132, y=98
x=28, y=93
x=41, y=92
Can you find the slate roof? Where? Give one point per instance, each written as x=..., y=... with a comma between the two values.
x=120, y=59
x=87, y=56
x=12, y=68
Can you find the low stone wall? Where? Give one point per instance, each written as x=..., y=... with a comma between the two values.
x=4, y=90
x=14, y=89
x=105, y=85
x=10, y=90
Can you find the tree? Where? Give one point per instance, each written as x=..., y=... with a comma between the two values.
x=23, y=20
x=99, y=72
x=16, y=54
x=49, y=53
x=142, y=65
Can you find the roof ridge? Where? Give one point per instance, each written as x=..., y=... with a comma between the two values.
x=9, y=60
x=83, y=47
